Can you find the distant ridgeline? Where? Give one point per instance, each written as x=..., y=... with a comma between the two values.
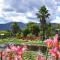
x=8, y=25
x=22, y=25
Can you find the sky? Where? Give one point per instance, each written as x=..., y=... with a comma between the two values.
x=25, y=10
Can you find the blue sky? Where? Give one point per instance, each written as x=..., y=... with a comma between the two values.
x=25, y=10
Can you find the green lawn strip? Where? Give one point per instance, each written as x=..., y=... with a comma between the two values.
x=19, y=41
x=35, y=42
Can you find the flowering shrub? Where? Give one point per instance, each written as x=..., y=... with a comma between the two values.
x=17, y=53
x=53, y=47
x=13, y=52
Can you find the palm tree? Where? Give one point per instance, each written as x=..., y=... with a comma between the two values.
x=42, y=15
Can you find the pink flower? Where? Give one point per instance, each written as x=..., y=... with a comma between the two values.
x=19, y=51
x=55, y=43
x=39, y=57
x=13, y=48
x=15, y=57
x=54, y=52
x=7, y=50
x=8, y=58
x=49, y=42
x=19, y=57
x=3, y=55
x=24, y=48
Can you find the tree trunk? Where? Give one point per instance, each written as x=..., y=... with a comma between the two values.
x=44, y=31
x=43, y=26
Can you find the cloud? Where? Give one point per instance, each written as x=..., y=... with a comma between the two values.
x=25, y=10
x=23, y=5
x=3, y=20
x=58, y=9
x=57, y=20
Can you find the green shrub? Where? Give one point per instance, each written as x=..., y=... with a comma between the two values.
x=18, y=35
x=34, y=28
x=15, y=28
x=26, y=31
x=29, y=55
x=33, y=48
x=43, y=49
x=29, y=35
x=5, y=32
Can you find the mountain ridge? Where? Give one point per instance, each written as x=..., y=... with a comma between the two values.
x=8, y=25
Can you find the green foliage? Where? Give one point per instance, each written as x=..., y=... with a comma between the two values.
x=42, y=15
x=15, y=28
x=43, y=10
x=43, y=49
x=49, y=30
x=18, y=35
x=29, y=55
x=33, y=28
x=5, y=32
x=29, y=35
x=33, y=48
x=57, y=26
x=26, y=31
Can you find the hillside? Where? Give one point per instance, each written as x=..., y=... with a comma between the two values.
x=8, y=25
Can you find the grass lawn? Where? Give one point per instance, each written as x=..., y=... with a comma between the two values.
x=19, y=41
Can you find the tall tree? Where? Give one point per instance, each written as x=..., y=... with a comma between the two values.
x=15, y=28
x=49, y=30
x=33, y=27
x=42, y=15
